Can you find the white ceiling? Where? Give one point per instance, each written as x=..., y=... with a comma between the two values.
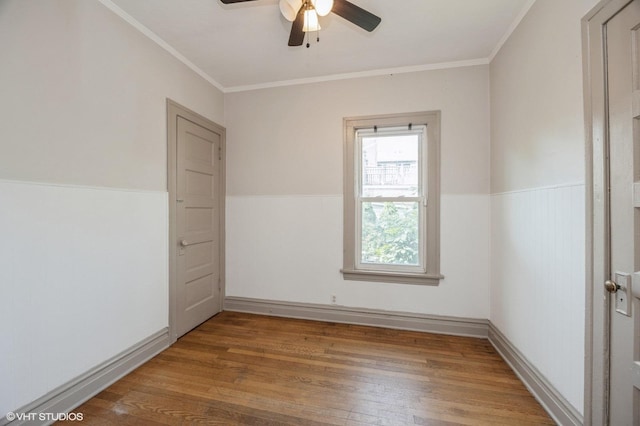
x=246, y=44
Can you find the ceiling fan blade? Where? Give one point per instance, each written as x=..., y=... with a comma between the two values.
x=352, y=13
x=233, y=1
x=296, y=38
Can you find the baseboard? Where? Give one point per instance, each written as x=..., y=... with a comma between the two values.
x=70, y=395
x=553, y=402
x=371, y=317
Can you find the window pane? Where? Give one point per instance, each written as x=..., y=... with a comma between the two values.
x=390, y=233
x=390, y=166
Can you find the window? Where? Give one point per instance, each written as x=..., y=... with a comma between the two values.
x=391, y=198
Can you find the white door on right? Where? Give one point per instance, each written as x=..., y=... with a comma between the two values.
x=623, y=83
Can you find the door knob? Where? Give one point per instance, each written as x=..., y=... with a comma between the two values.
x=611, y=286
x=184, y=243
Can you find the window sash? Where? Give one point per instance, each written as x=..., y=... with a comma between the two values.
x=421, y=199
x=419, y=268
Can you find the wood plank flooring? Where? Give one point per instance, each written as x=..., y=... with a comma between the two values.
x=258, y=370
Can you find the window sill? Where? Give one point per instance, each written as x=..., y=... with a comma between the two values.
x=392, y=277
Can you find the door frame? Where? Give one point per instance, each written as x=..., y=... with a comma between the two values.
x=597, y=319
x=175, y=110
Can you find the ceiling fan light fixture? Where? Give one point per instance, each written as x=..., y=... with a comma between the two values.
x=311, y=21
x=304, y=16
x=323, y=7
x=290, y=8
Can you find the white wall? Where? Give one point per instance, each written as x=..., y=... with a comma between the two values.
x=537, y=185
x=83, y=204
x=284, y=190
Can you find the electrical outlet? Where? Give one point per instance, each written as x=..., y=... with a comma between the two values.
x=334, y=299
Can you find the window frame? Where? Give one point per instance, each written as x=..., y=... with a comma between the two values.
x=429, y=218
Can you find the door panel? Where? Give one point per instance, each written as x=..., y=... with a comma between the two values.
x=623, y=84
x=198, y=224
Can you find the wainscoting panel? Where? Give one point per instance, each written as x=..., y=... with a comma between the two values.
x=83, y=274
x=538, y=281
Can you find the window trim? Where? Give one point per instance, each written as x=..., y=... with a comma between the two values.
x=430, y=223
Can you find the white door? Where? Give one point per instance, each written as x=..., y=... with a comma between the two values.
x=197, y=215
x=623, y=69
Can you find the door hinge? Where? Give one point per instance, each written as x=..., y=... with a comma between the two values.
x=219, y=153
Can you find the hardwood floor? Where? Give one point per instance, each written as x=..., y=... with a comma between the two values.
x=257, y=370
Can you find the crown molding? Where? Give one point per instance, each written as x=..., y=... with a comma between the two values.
x=319, y=79
x=511, y=29
x=160, y=42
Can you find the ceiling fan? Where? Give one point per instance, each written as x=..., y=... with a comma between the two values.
x=304, y=15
